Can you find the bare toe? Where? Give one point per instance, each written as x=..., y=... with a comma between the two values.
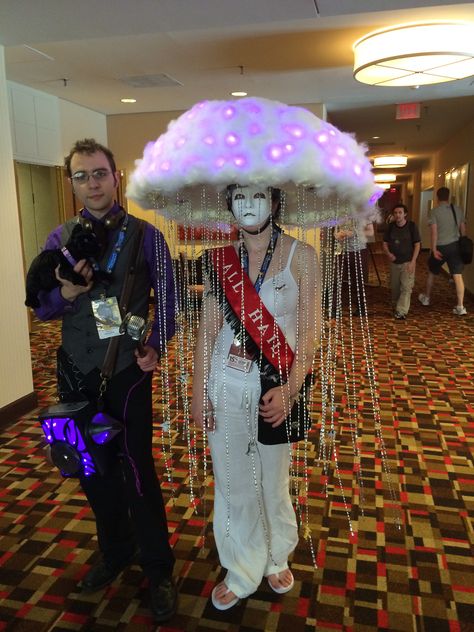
x=281, y=579
x=223, y=594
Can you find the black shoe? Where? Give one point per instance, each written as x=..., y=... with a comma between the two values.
x=101, y=575
x=399, y=316
x=164, y=599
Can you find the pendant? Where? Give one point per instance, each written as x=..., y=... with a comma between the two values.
x=252, y=447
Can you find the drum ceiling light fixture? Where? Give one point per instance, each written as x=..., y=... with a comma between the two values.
x=415, y=54
x=385, y=177
x=390, y=162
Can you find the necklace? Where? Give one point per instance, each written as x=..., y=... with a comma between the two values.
x=244, y=257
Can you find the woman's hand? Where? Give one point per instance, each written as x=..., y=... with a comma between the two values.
x=342, y=234
x=276, y=405
x=203, y=418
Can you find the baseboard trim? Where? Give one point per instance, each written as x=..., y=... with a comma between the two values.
x=10, y=413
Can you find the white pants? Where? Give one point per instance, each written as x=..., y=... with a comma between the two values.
x=254, y=521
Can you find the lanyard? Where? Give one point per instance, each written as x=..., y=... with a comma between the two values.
x=244, y=257
x=118, y=245
x=112, y=260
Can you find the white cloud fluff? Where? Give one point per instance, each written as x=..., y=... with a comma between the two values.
x=258, y=141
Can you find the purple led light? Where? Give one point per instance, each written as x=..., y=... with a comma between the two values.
x=229, y=112
x=240, y=161
x=102, y=437
x=252, y=107
x=357, y=170
x=336, y=163
x=322, y=138
x=255, y=129
x=231, y=139
x=274, y=153
x=294, y=130
x=209, y=140
x=158, y=146
x=340, y=151
x=64, y=429
x=165, y=166
x=373, y=198
x=180, y=142
x=220, y=162
x=289, y=148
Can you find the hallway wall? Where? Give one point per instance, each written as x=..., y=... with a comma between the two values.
x=458, y=151
x=16, y=381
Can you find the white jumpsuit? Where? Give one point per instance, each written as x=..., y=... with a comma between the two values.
x=254, y=521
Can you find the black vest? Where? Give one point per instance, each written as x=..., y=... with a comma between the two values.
x=79, y=332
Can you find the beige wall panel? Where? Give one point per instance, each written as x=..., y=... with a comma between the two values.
x=16, y=379
x=27, y=212
x=46, y=202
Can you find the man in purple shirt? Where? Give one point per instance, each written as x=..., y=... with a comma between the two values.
x=126, y=500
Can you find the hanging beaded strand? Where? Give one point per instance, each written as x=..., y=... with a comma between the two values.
x=164, y=372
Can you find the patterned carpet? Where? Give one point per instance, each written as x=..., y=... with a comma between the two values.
x=419, y=576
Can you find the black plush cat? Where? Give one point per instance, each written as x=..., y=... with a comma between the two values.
x=83, y=244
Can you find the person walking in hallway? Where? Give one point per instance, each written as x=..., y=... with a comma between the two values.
x=446, y=223
x=401, y=244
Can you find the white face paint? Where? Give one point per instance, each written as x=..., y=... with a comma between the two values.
x=251, y=205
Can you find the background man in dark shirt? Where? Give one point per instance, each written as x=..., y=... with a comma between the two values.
x=402, y=244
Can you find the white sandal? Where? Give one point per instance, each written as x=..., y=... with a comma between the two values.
x=223, y=606
x=283, y=589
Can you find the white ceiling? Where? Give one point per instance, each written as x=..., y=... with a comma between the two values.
x=295, y=51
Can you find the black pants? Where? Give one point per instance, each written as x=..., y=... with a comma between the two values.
x=127, y=501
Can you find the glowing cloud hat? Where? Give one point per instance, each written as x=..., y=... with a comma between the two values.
x=258, y=141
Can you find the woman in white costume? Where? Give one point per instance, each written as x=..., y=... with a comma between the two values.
x=243, y=402
x=254, y=521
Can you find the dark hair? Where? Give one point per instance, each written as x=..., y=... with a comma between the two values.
x=89, y=146
x=403, y=206
x=275, y=196
x=443, y=194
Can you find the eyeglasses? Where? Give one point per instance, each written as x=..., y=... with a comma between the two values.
x=82, y=177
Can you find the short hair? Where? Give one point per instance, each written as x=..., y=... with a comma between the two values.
x=89, y=146
x=443, y=194
x=274, y=193
x=403, y=206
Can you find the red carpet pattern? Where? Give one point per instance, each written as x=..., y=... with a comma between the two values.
x=415, y=576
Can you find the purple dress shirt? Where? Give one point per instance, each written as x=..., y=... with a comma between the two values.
x=53, y=305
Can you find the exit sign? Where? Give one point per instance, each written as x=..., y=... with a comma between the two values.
x=408, y=111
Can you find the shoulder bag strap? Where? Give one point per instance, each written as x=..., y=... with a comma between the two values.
x=455, y=219
x=111, y=355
